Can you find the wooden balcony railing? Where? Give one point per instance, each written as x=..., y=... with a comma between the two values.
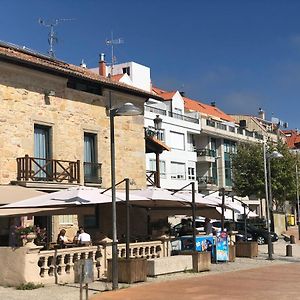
x=152, y=178
x=92, y=172
x=41, y=169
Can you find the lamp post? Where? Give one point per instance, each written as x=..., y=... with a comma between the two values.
x=127, y=109
x=157, y=125
x=268, y=191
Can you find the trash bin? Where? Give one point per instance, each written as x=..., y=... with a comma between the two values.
x=291, y=220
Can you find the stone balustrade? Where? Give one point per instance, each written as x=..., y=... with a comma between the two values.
x=27, y=264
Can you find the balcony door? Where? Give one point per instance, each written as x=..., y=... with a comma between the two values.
x=42, y=151
x=91, y=167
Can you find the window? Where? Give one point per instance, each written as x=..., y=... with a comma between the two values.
x=190, y=142
x=84, y=86
x=126, y=71
x=191, y=173
x=178, y=111
x=162, y=167
x=177, y=140
x=90, y=221
x=177, y=170
x=66, y=219
x=42, y=150
x=91, y=167
x=159, y=134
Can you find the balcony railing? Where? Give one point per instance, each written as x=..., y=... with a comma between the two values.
x=156, y=110
x=183, y=117
x=92, y=172
x=207, y=180
x=151, y=177
x=171, y=114
x=206, y=152
x=41, y=169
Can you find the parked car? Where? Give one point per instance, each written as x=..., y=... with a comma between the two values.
x=179, y=230
x=259, y=234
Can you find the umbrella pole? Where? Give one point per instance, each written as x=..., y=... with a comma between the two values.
x=194, y=215
x=127, y=218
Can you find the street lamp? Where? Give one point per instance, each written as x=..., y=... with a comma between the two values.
x=268, y=191
x=127, y=109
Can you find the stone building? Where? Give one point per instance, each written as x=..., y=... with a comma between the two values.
x=54, y=128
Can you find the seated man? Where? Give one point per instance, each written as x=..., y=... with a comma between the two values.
x=84, y=238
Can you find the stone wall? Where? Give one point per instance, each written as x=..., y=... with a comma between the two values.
x=69, y=113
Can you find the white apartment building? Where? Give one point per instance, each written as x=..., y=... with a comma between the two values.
x=202, y=138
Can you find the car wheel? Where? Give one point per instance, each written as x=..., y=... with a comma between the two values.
x=260, y=240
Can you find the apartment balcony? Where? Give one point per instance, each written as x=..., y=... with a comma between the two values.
x=206, y=182
x=222, y=129
x=206, y=155
x=55, y=173
x=171, y=114
x=92, y=173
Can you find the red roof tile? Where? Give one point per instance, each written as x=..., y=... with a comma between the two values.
x=292, y=138
x=206, y=109
x=12, y=53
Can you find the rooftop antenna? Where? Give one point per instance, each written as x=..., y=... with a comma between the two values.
x=52, y=38
x=111, y=43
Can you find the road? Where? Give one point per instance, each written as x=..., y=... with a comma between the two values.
x=271, y=282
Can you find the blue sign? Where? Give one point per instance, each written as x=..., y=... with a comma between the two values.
x=222, y=247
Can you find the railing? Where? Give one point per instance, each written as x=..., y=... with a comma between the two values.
x=41, y=169
x=221, y=126
x=210, y=123
x=156, y=110
x=183, y=117
x=206, y=152
x=153, y=249
x=61, y=262
x=171, y=114
x=151, y=177
x=206, y=180
x=248, y=133
x=92, y=172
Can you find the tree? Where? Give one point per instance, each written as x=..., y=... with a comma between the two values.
x=248, y=172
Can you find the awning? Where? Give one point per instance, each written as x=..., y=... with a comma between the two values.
x=13, y=193
x=154, y=145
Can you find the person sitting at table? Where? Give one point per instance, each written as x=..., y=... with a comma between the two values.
x=84, y=238
x=62, y=240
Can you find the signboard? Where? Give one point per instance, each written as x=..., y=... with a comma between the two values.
x=84, y=271
x=206, y=243
x=222, y=248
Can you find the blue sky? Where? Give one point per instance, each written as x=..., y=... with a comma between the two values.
x=243, y=54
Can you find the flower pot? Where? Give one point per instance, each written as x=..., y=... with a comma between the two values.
x=30, y=240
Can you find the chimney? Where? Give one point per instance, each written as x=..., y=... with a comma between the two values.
x=102, y=65
x=261, y=114
x=83, y=64
x=213, y=103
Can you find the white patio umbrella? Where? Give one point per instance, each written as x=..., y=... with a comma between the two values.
x=158, y=197
x=79, y=195
x=200, y=199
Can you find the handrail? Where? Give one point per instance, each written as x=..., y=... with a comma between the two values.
x=42, y=169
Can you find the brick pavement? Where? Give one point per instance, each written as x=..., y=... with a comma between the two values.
x=271, y=282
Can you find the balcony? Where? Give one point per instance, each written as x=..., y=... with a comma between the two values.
x=48, y=171
x=92, y=173
x=206, y=181
x=53, y=170
x=206, y=155
x=164, y=112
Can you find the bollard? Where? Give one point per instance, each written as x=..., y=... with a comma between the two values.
x=289, y=250
x=292, y=239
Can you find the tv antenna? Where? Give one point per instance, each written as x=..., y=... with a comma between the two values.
x=112, y=42
x=52, y=37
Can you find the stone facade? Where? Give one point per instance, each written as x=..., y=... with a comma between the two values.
x=69, y=114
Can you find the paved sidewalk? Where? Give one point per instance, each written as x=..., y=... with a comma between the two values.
x=276, y=282
x=71, y=291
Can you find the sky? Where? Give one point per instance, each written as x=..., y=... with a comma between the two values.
x=242, y=54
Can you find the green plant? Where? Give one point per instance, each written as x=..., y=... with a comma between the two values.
x=29, y=286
